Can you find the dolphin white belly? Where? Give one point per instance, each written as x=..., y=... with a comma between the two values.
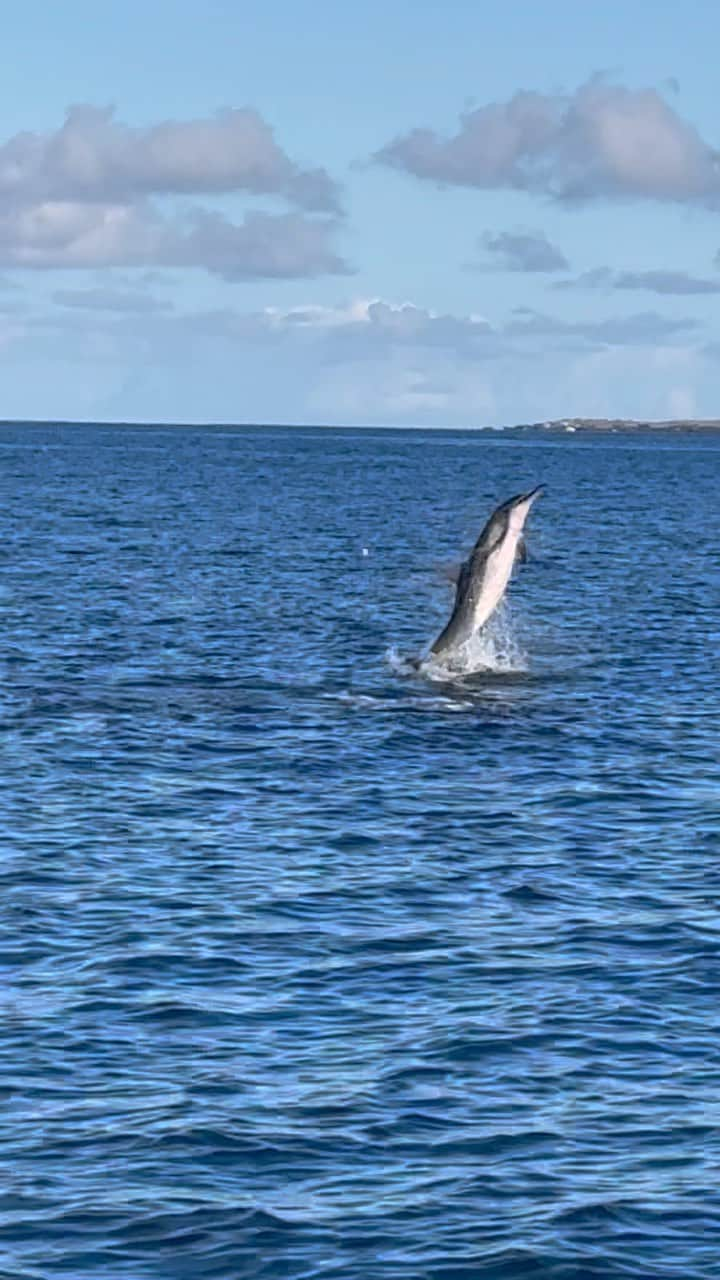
x=495, y=582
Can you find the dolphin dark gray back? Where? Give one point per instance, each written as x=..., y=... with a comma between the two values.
x=493, y=531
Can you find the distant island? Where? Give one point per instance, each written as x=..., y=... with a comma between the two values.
x=620, y=424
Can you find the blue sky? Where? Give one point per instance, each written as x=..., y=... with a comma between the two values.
x=391, y=213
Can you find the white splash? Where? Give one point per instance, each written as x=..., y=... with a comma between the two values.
x=494, y=649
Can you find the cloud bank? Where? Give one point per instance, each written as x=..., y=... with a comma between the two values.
x=370, y=328
x=367, y=361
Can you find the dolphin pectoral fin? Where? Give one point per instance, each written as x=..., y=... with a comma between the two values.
x=451, y=572
x=522, y=552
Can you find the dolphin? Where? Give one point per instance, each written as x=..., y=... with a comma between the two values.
x=483, y=578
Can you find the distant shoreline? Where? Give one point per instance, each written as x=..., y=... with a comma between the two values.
x=571, y=425
x=564, y=426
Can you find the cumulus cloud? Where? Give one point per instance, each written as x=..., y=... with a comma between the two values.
x=359, y=330
x=76, y=235
x=524, y=251
x=96, y=193
x=672, y=283
x=92, y=156
x=371, y=328
x=602, y=140
x=410, y=324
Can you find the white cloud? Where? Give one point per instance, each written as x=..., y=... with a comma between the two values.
x=63, y=234
x=369, y=327
x=601, y=140
x=96, y=193
x=92, y=156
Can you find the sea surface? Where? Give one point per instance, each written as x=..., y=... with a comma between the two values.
x=315, y=967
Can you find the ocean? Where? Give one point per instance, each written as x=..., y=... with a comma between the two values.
x=315, y=967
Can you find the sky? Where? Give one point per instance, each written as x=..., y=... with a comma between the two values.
x=397, y=213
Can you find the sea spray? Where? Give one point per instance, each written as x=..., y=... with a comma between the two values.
x=494, y=649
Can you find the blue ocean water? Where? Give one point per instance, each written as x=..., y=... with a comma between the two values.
x=312, y=968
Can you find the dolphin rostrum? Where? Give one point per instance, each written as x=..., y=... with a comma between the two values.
x=484, y=576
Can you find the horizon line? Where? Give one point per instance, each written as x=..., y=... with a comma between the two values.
x=564, y=424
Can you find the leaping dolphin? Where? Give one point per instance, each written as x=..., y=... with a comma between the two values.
x=483, y=578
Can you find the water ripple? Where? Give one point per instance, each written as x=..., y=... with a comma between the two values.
x=313, y=966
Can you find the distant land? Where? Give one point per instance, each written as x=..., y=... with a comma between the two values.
x=560, y=425
x=621, y=424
